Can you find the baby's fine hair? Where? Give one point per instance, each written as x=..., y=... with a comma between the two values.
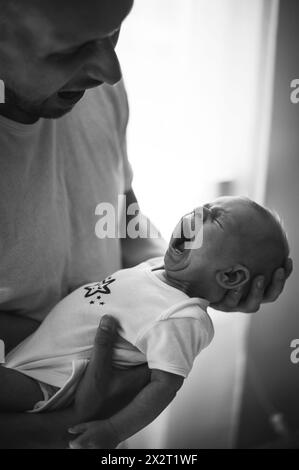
x=266, y=252
x=265, y=211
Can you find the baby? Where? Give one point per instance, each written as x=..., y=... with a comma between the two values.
x=161, y=306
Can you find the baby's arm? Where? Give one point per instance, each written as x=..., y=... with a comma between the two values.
x=146, y=406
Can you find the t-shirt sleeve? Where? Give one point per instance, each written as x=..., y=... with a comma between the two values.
x=173, y=344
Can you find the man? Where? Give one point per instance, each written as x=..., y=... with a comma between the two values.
x=55, y=54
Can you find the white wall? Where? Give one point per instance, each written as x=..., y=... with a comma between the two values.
x=273, y=385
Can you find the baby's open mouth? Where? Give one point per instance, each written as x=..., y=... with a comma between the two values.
x=184, y=233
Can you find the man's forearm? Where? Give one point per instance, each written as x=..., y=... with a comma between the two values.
x=148, y=244
x=36, y=431
x=14, y=329
x=26, y=430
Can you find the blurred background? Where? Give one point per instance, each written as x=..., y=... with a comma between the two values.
x=209, y=91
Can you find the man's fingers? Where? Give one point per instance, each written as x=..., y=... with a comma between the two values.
x=232, y=298
x=77, y=444
x=93, y=387
x=101, y=358
x=88, y=438
x=255, y=296
x=78, y=429
x=229, y=302
x=278, y=281
x=106, y=334
x=83, y=442
x=276, y=286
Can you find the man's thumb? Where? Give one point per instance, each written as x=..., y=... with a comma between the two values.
x=106, y=332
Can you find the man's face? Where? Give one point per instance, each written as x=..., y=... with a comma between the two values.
x=51, y=51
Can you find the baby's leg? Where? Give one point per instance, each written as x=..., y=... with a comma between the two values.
x=18, y=392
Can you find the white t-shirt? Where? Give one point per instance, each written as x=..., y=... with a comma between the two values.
x=53, y=174
x=160, y=325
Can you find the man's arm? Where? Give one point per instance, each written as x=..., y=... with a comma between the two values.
x=136, y=250
x=35, y=431
x=14, y=329
x=142, y=411
x=101, y=392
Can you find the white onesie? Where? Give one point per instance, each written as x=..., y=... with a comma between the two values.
x=160, y=325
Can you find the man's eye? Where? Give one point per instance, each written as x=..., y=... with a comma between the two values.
x=61, y=54
x=69, y=52
x=73, y=50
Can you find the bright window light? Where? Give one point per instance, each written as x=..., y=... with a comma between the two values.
x=191, y=68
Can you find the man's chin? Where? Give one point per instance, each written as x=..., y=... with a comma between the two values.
x=54, y=107
x=57, y=106
x=53, y=113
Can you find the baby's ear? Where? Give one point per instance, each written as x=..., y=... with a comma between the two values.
x=233, y=277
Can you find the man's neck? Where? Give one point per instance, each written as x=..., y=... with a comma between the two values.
x=16, y=114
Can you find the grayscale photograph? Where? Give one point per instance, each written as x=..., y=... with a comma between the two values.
x=149, y=168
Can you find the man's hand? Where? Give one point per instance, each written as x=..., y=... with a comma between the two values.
x=257, y=295
x=94, y=435
x=104, y=390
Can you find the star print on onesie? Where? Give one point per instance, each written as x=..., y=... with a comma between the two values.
x=98, y=288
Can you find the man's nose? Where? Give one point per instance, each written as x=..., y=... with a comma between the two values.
x=103, y=65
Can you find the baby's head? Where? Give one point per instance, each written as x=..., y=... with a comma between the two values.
x=241, y=240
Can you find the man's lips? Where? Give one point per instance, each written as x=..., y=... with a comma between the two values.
x=71, y=96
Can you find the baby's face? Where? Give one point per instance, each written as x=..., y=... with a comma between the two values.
x=222, y=223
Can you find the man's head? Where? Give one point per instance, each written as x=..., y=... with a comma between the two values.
x=51, y=51
x=241, y=240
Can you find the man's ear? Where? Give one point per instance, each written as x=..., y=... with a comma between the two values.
x=233, y=277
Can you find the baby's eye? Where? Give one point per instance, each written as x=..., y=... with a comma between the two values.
x=216, y=216
x=214, y=213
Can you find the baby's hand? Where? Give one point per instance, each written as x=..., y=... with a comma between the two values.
x=94, y=435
